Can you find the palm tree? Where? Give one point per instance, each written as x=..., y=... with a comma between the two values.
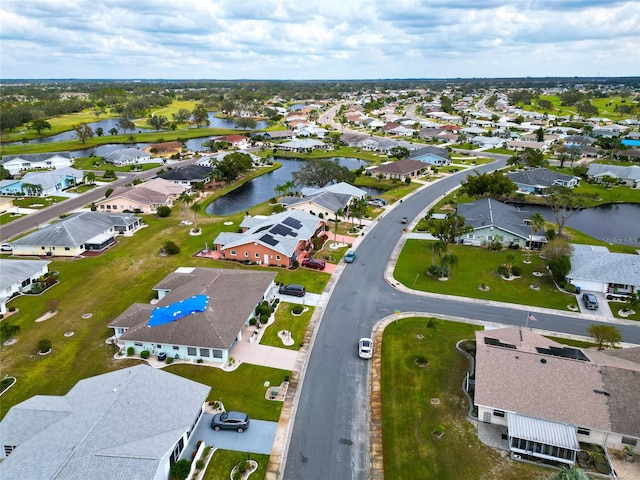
x=508, y=264
x=196, y=207
x=279, y=190
x=438, y=248
x=570, y=473
x=186, y=199
x=338, y=213
x=537, y=222
x=289, y=186
x=90, y=178
x=447, y=262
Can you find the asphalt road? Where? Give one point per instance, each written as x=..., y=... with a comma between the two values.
x=330, y=433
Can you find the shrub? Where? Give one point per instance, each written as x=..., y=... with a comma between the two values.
x=163, y=211
x=570, y=288
x=502, y=270
x=144, y=354
x=321, y=215
x=108, y=192
x=560, y=267
x=264, y=318
x=434, y=270
x=199, y=464
x=180, y=469
x=199, y=360
x=131, y=351
x=170, y=248
x=12, y=309
x=44, y=345
x=252, y=321
x=263, y=308
x=168, y=360
x=297, y=309
x=562, y=283
x=516, y=271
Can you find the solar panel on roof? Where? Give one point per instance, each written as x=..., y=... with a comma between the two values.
x=292, y=222
x=280, y=229
x=269, y=240
x=564, y=352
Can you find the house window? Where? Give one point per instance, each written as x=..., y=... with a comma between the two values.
x=217, y=353
x=138, y=344
x=191, y=351
x=498, y=413
x=584, y=431
x=26, y=282
x=102, y=207
x=8, y=449
x=257, y=255
x=66, y=249
x=158, y=345
x=204, y=352
x=115, y=207
x=277, y=257
x=630, y=441
x=233, y=252
x=175, y=347
x=246, y=254
x=470, y=236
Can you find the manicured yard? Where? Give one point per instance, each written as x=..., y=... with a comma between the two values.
x=617, y=306
x=411, y=450
x=286, y=320
x=36, y=202
x=105, y=286
x=476, y=266
x=223, y=462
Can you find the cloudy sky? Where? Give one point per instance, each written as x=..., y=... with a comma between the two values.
x=318, y=39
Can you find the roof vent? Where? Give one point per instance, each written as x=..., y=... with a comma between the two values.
x=543, y=360
x=602, y=392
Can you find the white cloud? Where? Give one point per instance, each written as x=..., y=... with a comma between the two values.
x=317, y=38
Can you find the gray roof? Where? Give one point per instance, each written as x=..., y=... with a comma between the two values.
x=124, y=155
x=116, y=425
x=599, y=264
x=401, y=167
x=329, y=200
x=560, y=389
x=139, y=194
x=191, y=173
x=487, y=212
x=36, y=157
x=51, y=178
x=429, y=150
x=76, y=229
x=233, y=297
x=281, y=232
x=617, y=171
x=538, y=177
x=341, y=187
x=16, y=271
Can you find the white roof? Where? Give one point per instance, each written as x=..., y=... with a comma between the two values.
x=543, y=431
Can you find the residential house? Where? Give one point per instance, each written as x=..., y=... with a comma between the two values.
x=199, y=313
x=327, y=200
x=578, y=140
x=275, y=134
x=127, y=156
x=520, y=145
x=34, y=161
x=597, y=269
x=130, y=423
x=488, y=142
x=546, y=398
x=402, y=131
x=279, y=239
x=17, y=277
x=402, y=169
x=629, y=176
x=189, y=176
x=236, y=141
x=311, y=130
x=429, y=133
x=76, y=234
x=11, y=187
x=494, y=221
x=210, y=161
x=52, y=181
x=589, y=151
x=353, y=139
x=305, y=145
x=537, y=181
x=164, y=149
x=435, y=156
x=142, y=198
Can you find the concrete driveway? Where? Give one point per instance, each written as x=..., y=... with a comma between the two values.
x=258, y=438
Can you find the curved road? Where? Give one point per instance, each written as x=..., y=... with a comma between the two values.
x=329, y=437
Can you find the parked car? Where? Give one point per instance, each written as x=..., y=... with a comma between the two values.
x=365, y=348
x=230, y=421
x=379, y=200
x=376, y=203
x=292, y=289
x=590, y=301
x=350, y=256
x=6, y=247
x=313, y=263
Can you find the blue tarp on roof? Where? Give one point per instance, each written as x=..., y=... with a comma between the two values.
x=178, y=310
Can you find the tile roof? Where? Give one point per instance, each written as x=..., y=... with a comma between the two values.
x=540, y=385
x=120, y=424
x=233, y=297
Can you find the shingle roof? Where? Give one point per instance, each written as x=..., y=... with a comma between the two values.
x=36, y=157
x=233, y=297
x=126, y=155
x=487, y=212
x=273, y=232
x=51, y=178
x=599, y=264
x=401, y=167
x=558, y=389
x=138, y=194
x=188, y=172
x=117, y=425
x=538, y=177
x=74, y=230
x=437, y=151
x=618, y=171
x=15, y=271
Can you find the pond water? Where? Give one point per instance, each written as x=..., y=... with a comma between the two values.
x=260, y=189
x=615, y=223
x=109, y=123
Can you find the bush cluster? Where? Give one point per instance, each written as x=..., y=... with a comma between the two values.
x=570, y=288
x=131, y=351
x=516, y=271
x=297, y=309
x=144, y=354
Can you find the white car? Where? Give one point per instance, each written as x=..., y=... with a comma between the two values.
x=365, y=348
x=6, y=247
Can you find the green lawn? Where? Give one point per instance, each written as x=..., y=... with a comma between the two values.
x=285, y=320
x=408, y=419
x=36, y=202
x=223, y=462
x=98, y=164
x=616, y=306
x=475, y=266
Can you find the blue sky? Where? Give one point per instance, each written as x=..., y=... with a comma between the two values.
x=318, y=39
